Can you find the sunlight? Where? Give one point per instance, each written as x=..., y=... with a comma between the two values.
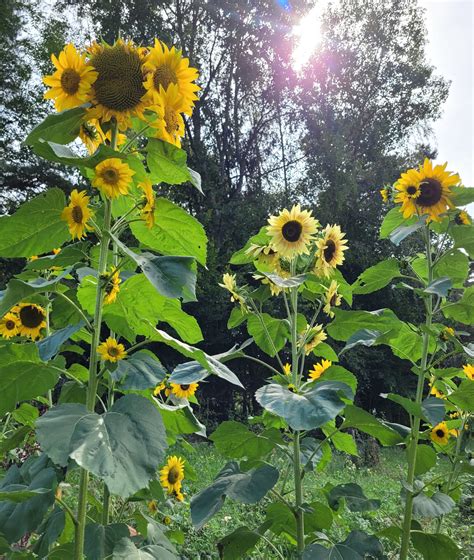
x=308, y=35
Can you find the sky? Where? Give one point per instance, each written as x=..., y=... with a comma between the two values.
x=450, y=50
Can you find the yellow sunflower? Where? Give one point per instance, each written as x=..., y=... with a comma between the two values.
x=172, y=474
x=118, y=90
x=92, y=135
x=469, y=371
x=77, y=214
x=437, y=393
x=287, y=369
x=178, y=494
x=330, y=252
x=112, y=288
x=112, y=177
x=385, y=194
x=111, y=350
x=161, y=387
x=152, y=506
x=274, y=289
x=32, y=319
x=292, y=231
x=462, y=218
x=331, y=298
x=72, y=81
x=426, y=190
x=447, y=333
x=170, y=124
x=184, y=391
x=319, y=369
x=148, y=209
x=229, y=283
x=440, y=433
x=9, y=325
x=313, y=337
x=165, y=67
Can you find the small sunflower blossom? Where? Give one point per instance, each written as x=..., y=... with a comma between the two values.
x=112, y=287
x=330, y=251
x=436, y=392
x=111, y=350
x=331, y=298
x=169, y=125
x=77, y=214
x=287, y=369
x=447, y=333
x=275, y=290
x=312, y=337
x=32, y=319
x=152, y=506
x=91, y=135
x=9, y=325
x=385, y=194
x=229, y=283
x=440, y=433
x=426, y=190
x=319, y=369
x=160, y=388
x=172, y=474
x=148, y=208
x=462, y=218
x=184, y=391
x=113, y=177
x=469, y=371
x=292, y=231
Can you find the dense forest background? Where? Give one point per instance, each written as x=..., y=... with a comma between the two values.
x=265, y=134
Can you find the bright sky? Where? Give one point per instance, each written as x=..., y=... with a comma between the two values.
x=450, y=50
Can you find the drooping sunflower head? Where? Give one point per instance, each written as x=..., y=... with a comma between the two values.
x=168, y=107
x=469, y=371
x=426, y=190
x=113, y=177
x=72, y=81
x=118, y=90
x=148, y=208
x=331, y=298
x=111, y=350
x=184, y=391
x=112, y=286
x=9, y=325
x=165, y=67
x=77, y=213
x=312, y=337
x=292, y=231
x=330, y=253
x=229, y=283
x=385, y=194
x=462, y=218
x=91, y=135
x=319, y=369
x=32, y=319
x=172, y=474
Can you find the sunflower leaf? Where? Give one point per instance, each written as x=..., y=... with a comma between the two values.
x=376, y=277
x=61, y=128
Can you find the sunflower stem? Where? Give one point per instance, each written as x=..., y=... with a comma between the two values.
x=415, y=432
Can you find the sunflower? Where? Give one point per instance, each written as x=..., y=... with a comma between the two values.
x=161, y=387
x=274, y=289
x=77, y=214
x=385, y=194
x=469, y=371
x=112, y=177
x=319, y=369
x=32, y=319
x=118, y=90
x=111, y=350
x=292, y=231
x=170, y=124
x=437, y=393
x=447, y=333
x=165, y=67
x=9, y=325
x=462, y=218
x=313, y=337
x=331, y=298
x=229, y=283
x=178, y=494
x=148, y=209
x=184, y=391
x=330, y=252
x=152, y=506
x=426, y=190
x=72, y=81
x=92, y=135
x=287, y=369
x=112, y=288
x=172, y=474
x=440, y=433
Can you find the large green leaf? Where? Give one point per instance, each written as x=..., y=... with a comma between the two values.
x=346, y=323
x=50, y=530
x=138, y=372
x=36, y=227
x=432, y=506
x=338, y=373
x=354, y=498
x=68, y=257
x=16, y=519
x=463, y=396
x=462, y=310
x=48, y=347
x=376, y=277
x=125, y=550
x=21, y=381
x=244, y=487
x=167, y=164
x=463, y=237
x=434, y=546
x=61, y=128
x=100, y=540
x=21, y=495
x=238, y=543
x=175, y=232
x=305, y=411
x=179, y=420
x=242, y=256
x=357, y=546
x=364, y=421
x=462, y=195
x=393, y=219
x=270, y=334
x=234, y=440
x=12, y=352
x=401, y=232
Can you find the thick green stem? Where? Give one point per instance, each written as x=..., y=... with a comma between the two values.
x=299, y=514
x=415, y=432
x=93, y=379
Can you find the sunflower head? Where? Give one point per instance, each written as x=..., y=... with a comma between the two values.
x=112, y=286
x=440, y=433
x=184, y=391
x=168, y=107
x=312, y=337
x=292, y=231
x=91, y=135
x=319, y=369
x=113, y=177
x=287, y=369
x=148, y=208
x=385, y=194
x=462, y=218
x=330, y=253
x=447, y=333
x=9, y=325
x=111, y=350
x=331, y=298
x=77, y=213
x=32, y=319
x=469, y=371
x=172, y=474
x=229, y=283
x=72, y=81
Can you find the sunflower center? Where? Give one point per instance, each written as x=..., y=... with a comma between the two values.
x=110, y=176
x=329, y=250
x=292, y=230
x=113, y=351
x=10, y=325
x=119, y=85
x=173, y=475
x=172, y=122
x=77, y=214
x=70, y=81
x=31, y=317
x=164, y=76
x=184, y=387
x=440, y=433
x=332, y=301
x=411, y=190
x=431, y=192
